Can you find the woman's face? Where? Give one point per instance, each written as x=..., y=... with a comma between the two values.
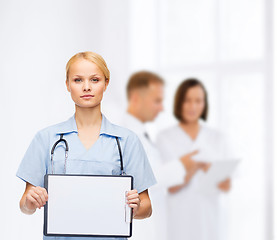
x=193, y=105
x=86, y=83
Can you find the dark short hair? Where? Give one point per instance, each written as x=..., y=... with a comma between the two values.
x=180, y=96
x=142, y=79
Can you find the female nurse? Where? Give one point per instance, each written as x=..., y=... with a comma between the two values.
x=92, y=143
x=194, y=213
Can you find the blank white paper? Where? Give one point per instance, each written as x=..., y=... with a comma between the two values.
x=87, y=205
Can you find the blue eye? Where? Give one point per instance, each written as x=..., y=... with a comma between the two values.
x=77, y=80
x=95, y=80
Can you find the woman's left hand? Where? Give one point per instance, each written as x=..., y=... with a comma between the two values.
x=133, y=200
x=225, y=185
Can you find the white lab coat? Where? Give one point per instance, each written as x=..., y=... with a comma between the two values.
x=192, y=214
x=154, y=228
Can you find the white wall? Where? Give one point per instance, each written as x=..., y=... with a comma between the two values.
x=274, y=39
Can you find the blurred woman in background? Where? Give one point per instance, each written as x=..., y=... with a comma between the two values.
x=193, y=213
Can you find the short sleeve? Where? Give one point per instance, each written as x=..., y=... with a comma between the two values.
x=137, y=164
x=33, y=166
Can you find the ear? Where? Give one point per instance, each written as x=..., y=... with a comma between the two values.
x=67, y=85
x=107, y=81
x=134, y=95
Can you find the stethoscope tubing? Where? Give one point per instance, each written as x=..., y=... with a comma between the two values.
x=66, y=154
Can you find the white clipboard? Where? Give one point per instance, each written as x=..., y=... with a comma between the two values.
x=219, y=171
x=87, y=205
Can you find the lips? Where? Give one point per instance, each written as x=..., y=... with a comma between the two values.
x=87, y=96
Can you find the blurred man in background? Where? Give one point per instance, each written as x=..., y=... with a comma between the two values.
x=145, y=102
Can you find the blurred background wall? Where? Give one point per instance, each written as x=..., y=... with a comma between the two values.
x=228, y=44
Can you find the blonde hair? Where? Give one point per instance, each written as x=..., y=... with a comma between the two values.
x=92, y=57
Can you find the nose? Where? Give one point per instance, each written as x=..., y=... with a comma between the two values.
x=194, y=106
x=86, y=86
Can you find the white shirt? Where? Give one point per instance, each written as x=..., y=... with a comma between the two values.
x=167, y=174
x=192, y=214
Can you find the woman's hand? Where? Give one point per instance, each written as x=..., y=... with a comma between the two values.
x=189, y=164
x=133, y=200
x=140, y=203
x=33, y=198
x=192, y=166
x=225, y=185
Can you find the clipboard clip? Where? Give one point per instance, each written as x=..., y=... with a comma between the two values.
x=128, y=211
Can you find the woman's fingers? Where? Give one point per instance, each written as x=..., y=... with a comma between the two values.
x=225, y=185
x=133, y=199
x=42, y=194
x=134, y=191
x=37, y=196
x=205, y=166
x=133, y=196
x=30, y=200
x=133, y=205
x=40, y=197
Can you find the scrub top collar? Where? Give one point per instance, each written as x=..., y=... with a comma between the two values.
x=107, y=128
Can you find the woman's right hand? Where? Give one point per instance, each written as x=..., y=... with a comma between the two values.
x=189, y=164
x=33, y=198
x=192, y=166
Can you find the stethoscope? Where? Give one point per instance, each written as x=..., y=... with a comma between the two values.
x=66, y=154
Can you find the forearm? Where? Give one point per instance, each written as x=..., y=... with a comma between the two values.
x=178, y=187
x=145, y=209
x=175, y=189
